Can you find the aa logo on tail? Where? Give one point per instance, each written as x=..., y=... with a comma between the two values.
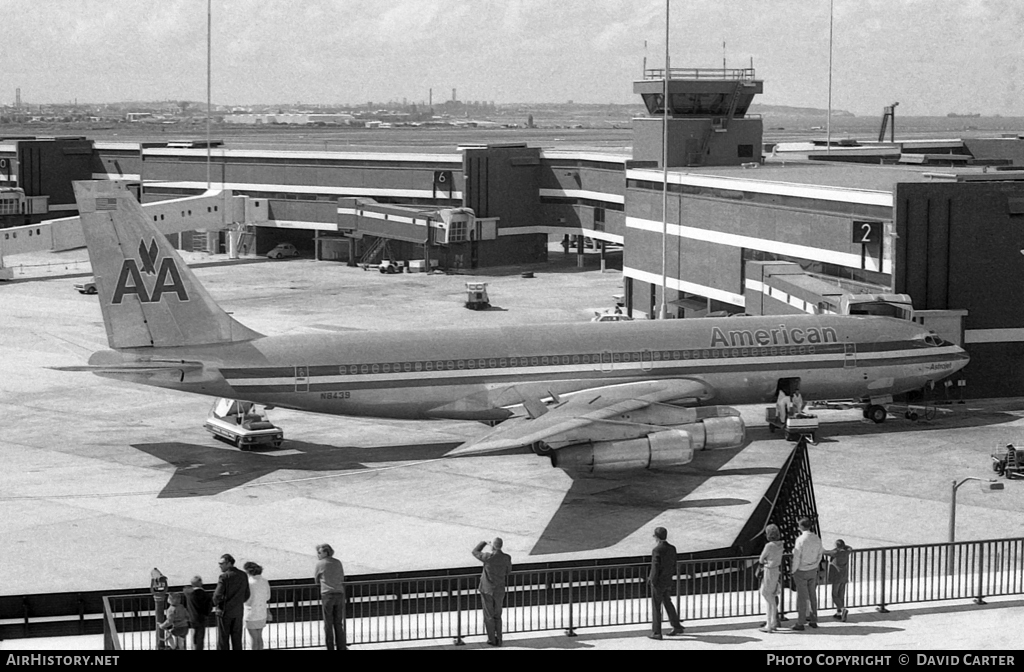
x=168, y=278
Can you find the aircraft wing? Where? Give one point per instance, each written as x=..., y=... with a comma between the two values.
x=582, y=410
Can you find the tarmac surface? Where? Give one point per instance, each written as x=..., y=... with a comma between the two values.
x=104, y=480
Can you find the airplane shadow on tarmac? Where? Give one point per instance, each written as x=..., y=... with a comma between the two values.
x=834, y=432
x=203, y=471
x=961, y=418
x=595, y=513
x=598, y=513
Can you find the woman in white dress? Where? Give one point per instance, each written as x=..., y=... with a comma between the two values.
x=771, y=560
x=255, y=614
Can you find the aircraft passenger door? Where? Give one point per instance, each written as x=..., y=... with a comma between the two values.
x=646, y=361
x=606, y=362
x=850, y=358
x=301, y=379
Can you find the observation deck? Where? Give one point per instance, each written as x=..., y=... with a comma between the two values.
x=700, y=92
x=708, y=121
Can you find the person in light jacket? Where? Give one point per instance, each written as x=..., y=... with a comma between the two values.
x=771, y=561
x=255, y=615
x=807, y=553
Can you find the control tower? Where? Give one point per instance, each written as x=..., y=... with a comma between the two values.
x=708, y=123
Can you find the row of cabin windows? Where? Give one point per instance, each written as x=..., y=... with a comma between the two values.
x=566, y=360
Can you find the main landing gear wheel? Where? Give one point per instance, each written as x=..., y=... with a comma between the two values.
x=875, y=414
x=540, y=448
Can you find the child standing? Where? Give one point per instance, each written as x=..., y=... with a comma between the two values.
x=176, y=621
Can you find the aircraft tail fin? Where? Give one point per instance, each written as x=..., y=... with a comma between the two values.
x=148, y=295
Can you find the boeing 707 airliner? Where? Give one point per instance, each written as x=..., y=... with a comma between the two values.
x=592, y=397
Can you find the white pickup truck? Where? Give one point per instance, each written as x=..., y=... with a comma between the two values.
x=239, y=422
x=86, y=287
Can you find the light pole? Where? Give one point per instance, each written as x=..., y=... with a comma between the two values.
x=662, y=309
x=991, y=485
x=828, y=121
x=209, y=66
x=986, y=486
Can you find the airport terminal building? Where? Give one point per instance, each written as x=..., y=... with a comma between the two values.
x=729, y=226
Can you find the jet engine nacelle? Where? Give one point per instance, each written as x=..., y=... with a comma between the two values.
x=662, y=449
x=671, y=448
x=714, y=433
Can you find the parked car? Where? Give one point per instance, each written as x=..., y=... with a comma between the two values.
x=388, y=266
x=610, y=317
x=88, y=287
x=283, y=250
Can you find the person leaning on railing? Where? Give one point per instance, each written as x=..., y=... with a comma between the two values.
x=839, y=575
x=330, y=574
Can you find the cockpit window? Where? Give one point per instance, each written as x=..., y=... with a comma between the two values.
x=932, y=340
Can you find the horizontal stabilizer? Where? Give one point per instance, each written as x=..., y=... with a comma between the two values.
x=135, y=368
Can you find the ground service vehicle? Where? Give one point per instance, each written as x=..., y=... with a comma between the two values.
x=476, y=296
x=239, y=422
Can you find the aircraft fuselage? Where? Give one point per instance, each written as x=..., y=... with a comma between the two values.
x=476, y=374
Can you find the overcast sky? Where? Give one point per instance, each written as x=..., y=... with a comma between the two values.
x=933, y=56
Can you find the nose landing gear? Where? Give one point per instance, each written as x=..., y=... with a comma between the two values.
x=877, y=414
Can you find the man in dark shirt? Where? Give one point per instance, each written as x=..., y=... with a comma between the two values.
x=663, y=569
x=497, y=566
x=330, y=574
x=229, y=604
x=197, y=600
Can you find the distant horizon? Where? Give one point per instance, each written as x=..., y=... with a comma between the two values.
x=948, y=56
x=199, y=107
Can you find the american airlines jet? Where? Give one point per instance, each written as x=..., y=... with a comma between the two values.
x=592, y=397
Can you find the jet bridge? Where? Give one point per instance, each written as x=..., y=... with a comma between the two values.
x=215, y=210
x=780, y=288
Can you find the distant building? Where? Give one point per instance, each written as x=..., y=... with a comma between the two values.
x=292, y=118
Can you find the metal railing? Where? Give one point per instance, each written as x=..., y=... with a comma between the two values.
x=448, y=607
x=745, y=74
